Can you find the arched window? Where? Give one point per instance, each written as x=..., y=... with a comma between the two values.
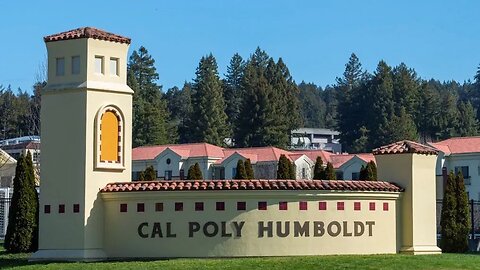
x=109, y=138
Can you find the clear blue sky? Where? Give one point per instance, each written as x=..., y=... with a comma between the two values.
x=439, y=39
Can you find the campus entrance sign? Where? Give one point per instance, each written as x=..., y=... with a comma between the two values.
x=88, y=195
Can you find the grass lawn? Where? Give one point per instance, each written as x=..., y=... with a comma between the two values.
x=444, y=261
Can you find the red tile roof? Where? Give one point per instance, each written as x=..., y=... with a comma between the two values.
x=313, y=154
x=405, y=147
x=459, y=145
x=87, y=32
x=262, y=154
x=199, y=185
x=184, y=150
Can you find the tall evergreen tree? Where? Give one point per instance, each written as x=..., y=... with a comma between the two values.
x=312, y=105
x=150, y=113
x=233, y=89
x=318, y=170
x=240, y=173
x=150, y=174
x=194, y=172
x=428, y=113
x=369, y=172
x=249, y=169
x=406, y=87
x=463, y=215
x=208, y=118
x=401, y=127
x=467, y=122
x=22, y=225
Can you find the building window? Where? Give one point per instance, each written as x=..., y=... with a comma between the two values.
x=199, y=206
x=322, y=205
x=168, y=161
x=372, y=206
x=99, y=64
x=123, y=208
x=283, y=206
x=158, y=207
x=179, y=206
x=303, y=205
x=234, y=172
x=140, y=207
x=110, y=136
x=355, y=175
x=220, y=206
x=304, y=173
x=357, y=206
x=114, y=66
x=385, y=206
x=36, y=157
x=46, y=209
x=464, y=170
x=339, y=175
x=262, y=205
x=182, y=174
x=168, y=175
x=76, y=208
x=340, y=206
x=241, y=206
x=60, y=66
x=75, y=65
x=61, y=208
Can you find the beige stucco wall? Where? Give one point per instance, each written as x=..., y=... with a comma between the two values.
x=123, y=240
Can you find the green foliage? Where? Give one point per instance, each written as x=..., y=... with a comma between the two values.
x=141, y=176
x=469, y=124
x=330, y=172
x=463, y=215
x=455, y=218
x=150, y=174
x=151, y=124
x=22, y=228
x=194, y=172
x=318, y=170
x=369, y=172
x=249, y=169
x=241, y=173
x=232, y=89
x=284, y=168
x=208, y=121
x=312, y=106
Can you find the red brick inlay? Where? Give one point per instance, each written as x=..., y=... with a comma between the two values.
x=254, y=184
x=199, y=206
x=158, y=207
x=340, y=206
x=385, y=206
x=220, y=206
x=262, y=205
x=241, y=206
x=372, y=206
x=322, y=205
x=303, y=205
x=61, y=208
x=283, y=206
x=123, y=208
x=76, y=208
x=140, y=207
x=179, y=206
x=46, y=208
x=356, y=206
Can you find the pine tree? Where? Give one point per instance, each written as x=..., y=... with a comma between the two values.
x=198, y=172
x=448, y=221
x=318, y=170
x=428, y=112
x=241, y=173
x=462, y=216
x=369, y=172
x=22, y=216
x=141, y=176
x=249, y=169
x=467, y=123
x=406, y=86
x=330, y=172
x=150, y=113
x=149, y=174
x=208, y=118
x=233, y=89
x=401, y=127
x=283, y=171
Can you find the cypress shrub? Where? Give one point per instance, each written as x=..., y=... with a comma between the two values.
x=283, y=170
x=449, y=215
x=150, y=174
x=249, y=169
x=318, y=171
x=198, y=172
x=23, y=214
x=330, y=172
x=241, y=173
x=463, y=215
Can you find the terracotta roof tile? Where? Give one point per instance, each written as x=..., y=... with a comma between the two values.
x=181, y=185
x=87, y=32
x=458, y=145
x=405, y=147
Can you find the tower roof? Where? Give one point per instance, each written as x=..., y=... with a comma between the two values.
x=87, y=32
x=405, y=146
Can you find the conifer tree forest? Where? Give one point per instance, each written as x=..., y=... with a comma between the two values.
x=257, y=102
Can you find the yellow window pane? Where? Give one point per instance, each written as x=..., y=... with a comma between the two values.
x=109, y=139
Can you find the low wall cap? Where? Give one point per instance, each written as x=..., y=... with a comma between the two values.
x=87, y=32
x=405, y=146
x=203, y=185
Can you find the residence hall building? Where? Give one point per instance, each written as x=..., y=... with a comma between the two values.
x=459, y=154
x=98, y=213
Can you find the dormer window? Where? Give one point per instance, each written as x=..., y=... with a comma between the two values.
x=114, y=66
x=76, y=65
x=99, y=65
x=60, y=66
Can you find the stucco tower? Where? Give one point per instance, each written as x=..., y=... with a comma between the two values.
x=86, y=139
x=412, y=166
